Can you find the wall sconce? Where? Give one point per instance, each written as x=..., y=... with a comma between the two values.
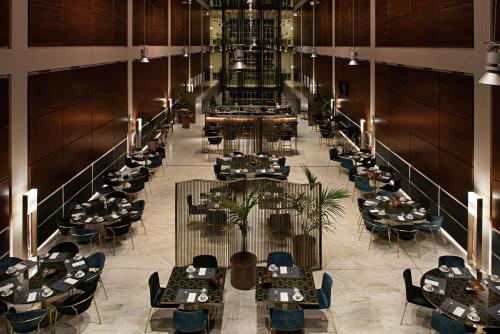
x=30, y=205
x=475, y=230
x=170, y=102
x=313, y=87
x=138, y=131
x=362, y=124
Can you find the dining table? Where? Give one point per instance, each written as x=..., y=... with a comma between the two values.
x=101, y=211
x=358, y=157
x=144, y=155
x=42, y=278
x=374, y=174
x=121, y=178
x=250, y=165
x=457, y=293
x=188, y=284
x=285, y=286
x=396, y=211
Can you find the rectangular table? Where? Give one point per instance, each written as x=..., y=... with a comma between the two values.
x=305, y=284
x=179, y=280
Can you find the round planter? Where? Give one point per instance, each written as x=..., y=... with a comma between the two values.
x=304, y=249
x=243, y=270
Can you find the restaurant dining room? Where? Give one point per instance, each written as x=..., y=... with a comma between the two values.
x=249, y=166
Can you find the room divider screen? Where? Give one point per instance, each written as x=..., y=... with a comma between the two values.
x=287, y=218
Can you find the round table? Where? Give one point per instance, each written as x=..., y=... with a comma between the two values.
x=98, y=212
x=406, y=212
x=58, y=274
x=119, y=179
x=455, y=289
x=374, y=174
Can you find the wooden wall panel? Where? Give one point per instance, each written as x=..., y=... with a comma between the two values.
x=154, y=31
x=419, y=118
x=495, y=158
x=323, y=23
x=77, y=23
x=4, y=23
x=357, y=103
x=179, y=25
x=425, y=23
x=324, y=74
x=149, y=87
x=345, y=15
x=76, y=122
x=195, y=23
x=307, y=30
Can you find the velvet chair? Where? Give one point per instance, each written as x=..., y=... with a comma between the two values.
x=374, y=226
x=287, y=320
x=205, y=261
x=444, y=325
x=155, y=293
x=29, y=321
x=96, y=261
x=433, y=227
x=451, y=261
x=414, y=294
x=191, y=321
x=65, y=247
x=280, y=259
x=324, y=296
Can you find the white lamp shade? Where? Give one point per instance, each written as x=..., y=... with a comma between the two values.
x=490, y=78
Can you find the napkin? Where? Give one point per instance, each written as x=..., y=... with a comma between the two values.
x=283, y=270
x=114, y=216
x=456, y=271
x=401, y=218
x=79, y=263
x=202, y=271
x=431, y=282
x=191, y=298
x=88, y=220
x=54, y=256
x=70, y=281
x=32, y=297
x=374, y=211
x=20, y=266
x=458, y=311
x=6, y=287
x=284, y=296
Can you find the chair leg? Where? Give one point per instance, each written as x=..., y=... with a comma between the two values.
x=404, y=311
x=370, y=243
x=145, y=194
x=103, y=288
x=143, y=226
x=78, y=323
x=147, y=321
x=97, y=310
x=132, y=239
x=398, y=246
x=114, y=245
x=433, y=241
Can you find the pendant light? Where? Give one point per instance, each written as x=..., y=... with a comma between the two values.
x=239, y=60
x=144, y=52
x=185, y=49
x=492, y=75
x=353, y=54
x=313, y=52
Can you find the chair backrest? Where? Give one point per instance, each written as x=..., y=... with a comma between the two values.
x=145, y=173
x=434, y=223
x=121, y=227
x=282, y=161
x=362, y=183
x=285, y=170
x=7, y=262
x=65, y=247
x=28, y=321
x=218, y=161
x=409, y=288
x=444, y=325
x=189, y=321
x=346, y=163
x=287, y=320
x=371, y=223
x=451, y=261
x=326, y=287
x=205, y=261
x=79, y=302
x=361, y=204
x=154, y=287
x=405, y=232
x=351, y=173
x=284, y=259
x=216, y=217
x=139, y=205
x=334, y=154
x=83, y=235
x=96, y=260
x=217, y=168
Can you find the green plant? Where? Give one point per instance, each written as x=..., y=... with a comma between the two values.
x=238, y=214
x=181, y=96
x=320, y=104
x=321, y=212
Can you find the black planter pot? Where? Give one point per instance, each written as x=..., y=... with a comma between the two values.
x=243, y=270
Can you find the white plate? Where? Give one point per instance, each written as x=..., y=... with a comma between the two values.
x=43, y=256
x=495, y=278
x=47, y=293
x=473, y=317
x=77, y=257
x=273, y=267
x=6, y=293
x=409, y=216
x=190, y=269
x=444, y=269
x=298, y=298
x=202, y=298
x=11, y=270
x=79, y=274
x=428, y=288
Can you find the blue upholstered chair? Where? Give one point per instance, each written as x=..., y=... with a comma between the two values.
x=190, y=321
x=155, y=293
x=345, y=164
x=387, y=193
x=97, y=261
x=362, y=184
x=374, y=226
x=451, y=261
x=283, y=259
x=285, y=171
x=287, y=320
x=119, y=229
x=414, y=294
x=433, y=227
x=84, y=236
x=7, y=262
x=155, y=164
x=334, y=156
x=444, y=325
x=29, y=321
x=324, y=296
x=139, y=206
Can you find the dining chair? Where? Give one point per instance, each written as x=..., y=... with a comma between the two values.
x=433, y=227
x=285, y=141
x=285, y=171
x=146, y=177
x=131, y=164
x=345, y=164
x=374, y=226
x=83, y=236
x=7, y=262
x=218, y=175
x=96, y=261
x=64, y=225
x=414, y=294
x=361, y=208
x=282, y=161
x=155, y=164
x=214, y=141
x=324, y=295
x=287, y=320
x=139, y=206
x=65, y=247
x=280, y=259
x=155, y=294
x=118, y=229
x=136, y=186
x=205, y=261
x=368, y=163
x=445, y=325
x=216, y=221
x=406, y=232
x=195, y=210
x=362, y=184
x=392, y=188
x=191, y=321
x=30, y=321
x=351, y=173
x=334, y=156
x=451, y=261
x=79, y=303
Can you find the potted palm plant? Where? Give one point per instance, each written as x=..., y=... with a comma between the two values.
x=243, y=263
x=315, y=214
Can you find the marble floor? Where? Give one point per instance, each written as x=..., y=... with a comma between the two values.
x=368, y=293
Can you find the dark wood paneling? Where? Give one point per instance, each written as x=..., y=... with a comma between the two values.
x=154, y=30
x=44, y=94
x=45, y=135
x=425, y=23
x=324, y=22
x=77, y=22
x=46, y=174
x=77, y=86
x=150, y=85
x=4, y=23
x=344, y=23
x=324, y=74
x=77, y=121
x=495, y=159
x=420, y=118
x=4, y=204
x=102, y=140
x=179, y=25
x=76, y=156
